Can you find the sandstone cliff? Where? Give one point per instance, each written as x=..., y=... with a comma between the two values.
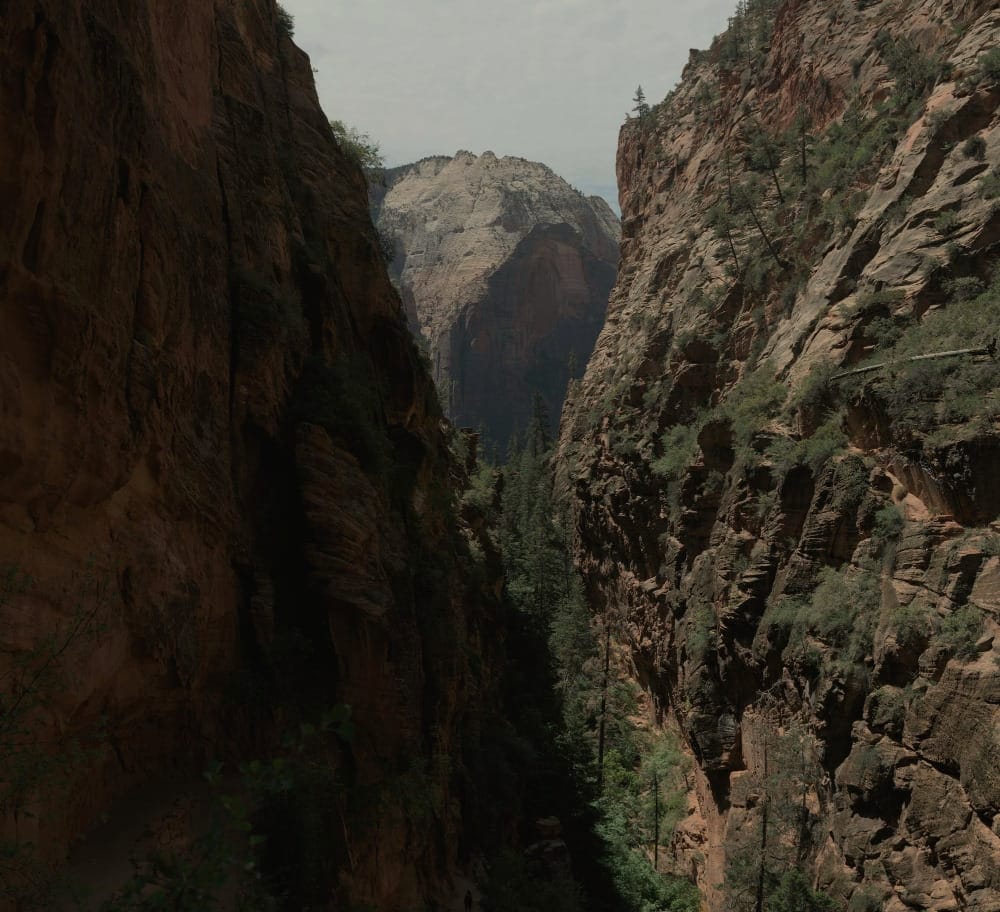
x=505, y=271
x=225, y=497
x=805, y=568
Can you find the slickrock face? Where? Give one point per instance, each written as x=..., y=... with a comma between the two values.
x=505, y=272
x=223, y=466
x=807, y=569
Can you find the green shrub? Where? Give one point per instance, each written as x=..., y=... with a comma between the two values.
x=480, y=493
x=360, y=147
x=886, y=709
x=814, y=393
x=914, y=71
x=975, y=147
x=989, y=188
x=865, y=900
x=701, y=632
x=960, y=631
x=888, y=525
x=766, y=503
x=885, y=331
x=842, y=609
x=939, y=398
x=964, y=288
x=850, y=484
x=754, y=401
x=913, y=624
x=991, y=544
x=947, y=223
x=848, y=148
x=794, y=894
x=680, y=449
x=884, y=301
x=841, y=613
x=828, y=440
x=989, y=65
x=814, y=451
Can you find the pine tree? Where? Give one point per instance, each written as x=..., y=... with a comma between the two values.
x=641, y=108
x=802, y=137
x=539, y=428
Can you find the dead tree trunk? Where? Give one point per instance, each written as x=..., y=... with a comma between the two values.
x=604, y=710
x=767, y=239
x=762, y=865
x=656, y=821
x=990, y=350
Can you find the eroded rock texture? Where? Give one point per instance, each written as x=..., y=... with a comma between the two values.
x=818, y=621
x=505, y=272
x=218, y=446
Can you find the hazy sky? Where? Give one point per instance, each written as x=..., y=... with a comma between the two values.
x=548, y=80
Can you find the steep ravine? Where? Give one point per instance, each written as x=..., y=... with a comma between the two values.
x=226, y=498
x=806, y=569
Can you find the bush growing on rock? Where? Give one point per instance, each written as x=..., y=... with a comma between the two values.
x=840, y=615
x=960, y=631
x=888, y=525
x=975, y=147
x=285, y=22
x=939, y=400
x=795, y=894
x=989, y=65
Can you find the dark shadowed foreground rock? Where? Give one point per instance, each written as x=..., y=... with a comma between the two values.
x=217, y=443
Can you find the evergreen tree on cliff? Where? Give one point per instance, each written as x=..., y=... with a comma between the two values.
x=641, y=108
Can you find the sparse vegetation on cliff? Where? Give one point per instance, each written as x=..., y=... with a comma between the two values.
x=360, y=148
x=946, y=399
x=285, y=21
x=790, y=556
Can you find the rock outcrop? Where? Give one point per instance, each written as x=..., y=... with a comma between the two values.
x=225, y=490
x=806, y=568
x=505, y=272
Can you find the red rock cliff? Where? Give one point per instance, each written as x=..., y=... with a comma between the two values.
x=805, y=569
x=217, y=442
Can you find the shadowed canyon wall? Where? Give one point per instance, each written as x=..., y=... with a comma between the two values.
x=219, y=448
x=505, y=271
x=806, y=569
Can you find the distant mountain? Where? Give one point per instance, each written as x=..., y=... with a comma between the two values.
x=505, y=272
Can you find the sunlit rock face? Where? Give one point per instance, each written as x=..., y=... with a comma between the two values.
x=807, y=570
x=224, y=477
x=505, y=271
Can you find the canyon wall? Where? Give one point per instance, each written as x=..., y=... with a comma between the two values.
x=505, y=271
x=805, y=565
x=225, y=498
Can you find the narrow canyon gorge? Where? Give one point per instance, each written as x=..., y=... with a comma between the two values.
x=434, y=540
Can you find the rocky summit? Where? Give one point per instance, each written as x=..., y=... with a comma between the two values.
x=504, y=270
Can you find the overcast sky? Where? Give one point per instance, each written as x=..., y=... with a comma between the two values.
x=548, y=80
